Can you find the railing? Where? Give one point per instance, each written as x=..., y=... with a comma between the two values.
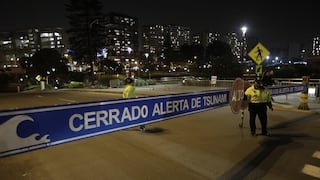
x=287, y=81
x=228, y=83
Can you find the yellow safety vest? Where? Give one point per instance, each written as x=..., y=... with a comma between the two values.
x=129, y=92
x=258, y=95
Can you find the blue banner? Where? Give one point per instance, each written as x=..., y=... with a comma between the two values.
x=288, y=89
x=32, y=128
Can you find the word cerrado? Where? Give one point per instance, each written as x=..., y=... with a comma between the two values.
x=107, y=117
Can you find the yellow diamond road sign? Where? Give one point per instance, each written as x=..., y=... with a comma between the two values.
x=259, y=53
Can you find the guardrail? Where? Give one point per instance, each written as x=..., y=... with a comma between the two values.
x=287, y=81
x=228, y=83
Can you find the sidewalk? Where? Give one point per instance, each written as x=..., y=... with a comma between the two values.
x=292, y=101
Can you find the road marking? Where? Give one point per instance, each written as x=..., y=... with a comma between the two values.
x=67, y=100
x=311, y=170
x=316, y=154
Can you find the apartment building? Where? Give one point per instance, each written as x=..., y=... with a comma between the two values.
x=24, y=43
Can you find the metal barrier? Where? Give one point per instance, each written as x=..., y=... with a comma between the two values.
x=279, y=82
x=288, y=81
x=28, y=129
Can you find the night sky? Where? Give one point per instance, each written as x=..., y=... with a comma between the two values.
x=275, y=24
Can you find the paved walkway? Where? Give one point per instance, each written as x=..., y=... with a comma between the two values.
x=293, y=101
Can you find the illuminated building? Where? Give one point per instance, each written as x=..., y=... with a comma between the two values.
x=24, y=43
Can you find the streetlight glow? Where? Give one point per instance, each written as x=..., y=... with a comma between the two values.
x=244, y=30
x=146, y=55
x=129, y=50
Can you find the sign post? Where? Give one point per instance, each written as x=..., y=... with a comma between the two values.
x=258, y=55
x=237, y=101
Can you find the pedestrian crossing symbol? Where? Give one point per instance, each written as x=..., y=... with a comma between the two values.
x=259, y=53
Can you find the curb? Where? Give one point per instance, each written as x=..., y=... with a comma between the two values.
x=292, y=108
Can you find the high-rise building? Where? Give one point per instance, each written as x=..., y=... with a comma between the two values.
x=121, y=33
x=238, y=47
x=206, y=38
x=153, y=42
x=209, y=37
x=179, y=35
x=316, y=46
x=24, y=43
x=155, y=38
x=314, y=59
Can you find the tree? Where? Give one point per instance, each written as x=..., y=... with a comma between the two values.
x=46, y=61
x=224, y=63
x=169, y=53
x=85, y=34
x=189, y=52
x=115, y=67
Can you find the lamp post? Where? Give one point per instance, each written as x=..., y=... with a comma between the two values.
x=147, y=58
x=128, y=71
x=243, y=43
x=92, y=56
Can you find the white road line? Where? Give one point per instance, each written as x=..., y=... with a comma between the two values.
x=67, y=100
x=316, y=154
x=311, y=170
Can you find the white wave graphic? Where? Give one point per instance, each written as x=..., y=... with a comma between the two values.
x=9, y=140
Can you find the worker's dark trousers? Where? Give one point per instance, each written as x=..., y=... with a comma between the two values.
x=259, y=109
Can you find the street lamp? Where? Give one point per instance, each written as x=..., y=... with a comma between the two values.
x=149, y=68
x=92, y=56
x=243, y=43
x=244, y=30
x=128, y=71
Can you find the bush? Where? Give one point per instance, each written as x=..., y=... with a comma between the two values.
x=75, y=84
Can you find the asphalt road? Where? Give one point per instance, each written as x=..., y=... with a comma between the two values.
x=206, y=145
